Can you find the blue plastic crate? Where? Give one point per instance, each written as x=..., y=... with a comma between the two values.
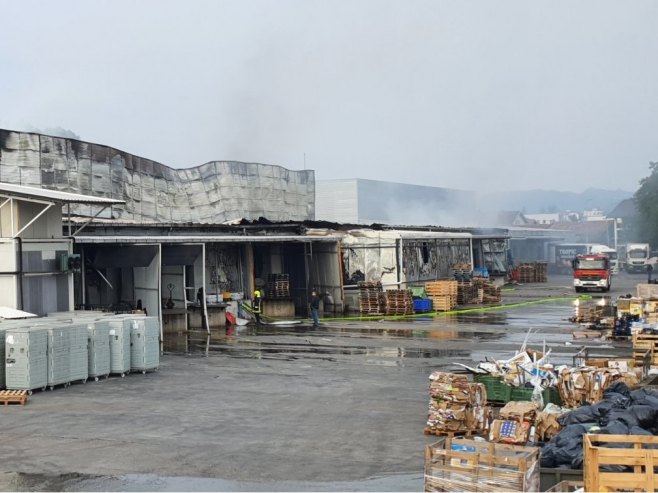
x=422, y=305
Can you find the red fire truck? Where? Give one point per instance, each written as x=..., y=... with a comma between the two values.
x=591, y=271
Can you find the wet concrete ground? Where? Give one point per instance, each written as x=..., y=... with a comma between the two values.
x=341, y=407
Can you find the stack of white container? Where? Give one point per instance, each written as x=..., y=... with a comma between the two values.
x=67, y=347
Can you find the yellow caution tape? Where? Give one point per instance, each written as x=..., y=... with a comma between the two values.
x=463, y=310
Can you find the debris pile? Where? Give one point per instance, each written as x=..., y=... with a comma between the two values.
x=581, y=385
x=514, y=423
x=456, y=405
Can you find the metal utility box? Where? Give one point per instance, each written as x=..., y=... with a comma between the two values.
x=58, y=347
x=99, y=348
x=78, y=351
x=145, y=344
x=26, y=358
x=2, y=351
x=119, y=345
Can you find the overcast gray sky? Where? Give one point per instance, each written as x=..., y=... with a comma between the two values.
x=464, y=94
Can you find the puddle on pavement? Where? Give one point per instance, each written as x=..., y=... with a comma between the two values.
x=406, y=482
x=148, y=482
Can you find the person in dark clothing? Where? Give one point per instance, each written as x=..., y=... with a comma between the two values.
x=315, y=308
x=649, y=273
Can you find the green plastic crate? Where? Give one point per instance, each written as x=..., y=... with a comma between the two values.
x=550, y=395
x=521, y=394
x=497, y=391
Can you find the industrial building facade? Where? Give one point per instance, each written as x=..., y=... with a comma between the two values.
x=213, y=192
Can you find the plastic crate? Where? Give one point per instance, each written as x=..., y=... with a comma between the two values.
x=422, y=305
x=550, y=395
x=497, y=391
x=521, y=394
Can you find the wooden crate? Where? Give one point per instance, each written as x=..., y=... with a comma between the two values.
x=443, y=303
x=565, y=487
x=441, y=288
x=640, y=460
x=647, y=291
x=470, y=465
x=643, y=343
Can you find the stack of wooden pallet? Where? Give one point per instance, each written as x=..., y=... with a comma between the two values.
x=527, y=273
x=443, y=295
x=278, y=286
x=489, y=292
x=371, y=298
x=533, y=272
x=461, y=271
x=466, y=293
x=399, y=302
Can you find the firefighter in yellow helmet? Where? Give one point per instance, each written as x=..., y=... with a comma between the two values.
x=257, y=305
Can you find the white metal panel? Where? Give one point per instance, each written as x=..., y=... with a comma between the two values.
x=22, y=191
x=337, y=201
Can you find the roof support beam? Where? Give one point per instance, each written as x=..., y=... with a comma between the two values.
x=86, y=222
x=43, y=211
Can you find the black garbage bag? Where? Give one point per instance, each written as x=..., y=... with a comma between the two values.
x=624, y=416
x=645, y=415
x=618, y=388
x=564, y=456
x=645, y=396
x=571, y=434
x=584, y=414
x=547, y=458
x=577, y=461
x=618, y=401
x=601, y=409
x=616, y=427
x=636, y=430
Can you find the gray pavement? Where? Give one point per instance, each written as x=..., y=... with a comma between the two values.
x=341, y=407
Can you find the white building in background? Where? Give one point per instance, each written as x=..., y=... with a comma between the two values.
x=594, y=215
x=545, y=219
x=359, y=201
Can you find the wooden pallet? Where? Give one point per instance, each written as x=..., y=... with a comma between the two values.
x=13, y=397
x=450, y=434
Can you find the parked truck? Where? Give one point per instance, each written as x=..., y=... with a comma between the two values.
x=564, y=253
x=592, y=271
x=637, y=255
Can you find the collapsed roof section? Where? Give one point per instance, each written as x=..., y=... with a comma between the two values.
x=214, y=192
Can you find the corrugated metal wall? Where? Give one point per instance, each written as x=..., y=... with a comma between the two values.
x=211, y=193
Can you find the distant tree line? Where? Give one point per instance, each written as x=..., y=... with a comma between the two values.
x=645, y=229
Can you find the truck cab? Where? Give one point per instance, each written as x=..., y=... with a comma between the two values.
x=637, y=255
x=612, y=256
x=592, y=271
